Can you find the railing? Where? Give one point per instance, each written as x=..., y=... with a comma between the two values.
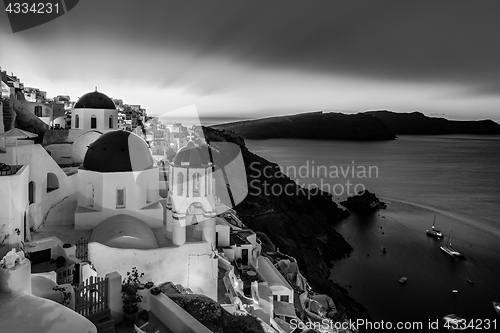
x=65, y=274
x=7, y=169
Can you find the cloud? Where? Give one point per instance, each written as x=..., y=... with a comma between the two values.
x=275, y=56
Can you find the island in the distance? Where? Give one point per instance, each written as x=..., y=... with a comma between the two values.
x=416, y=123
x=312, y=125
x=365, y=126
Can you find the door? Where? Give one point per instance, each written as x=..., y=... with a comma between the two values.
x=244, y=256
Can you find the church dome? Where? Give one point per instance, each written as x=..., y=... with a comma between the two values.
x=95, y=100
x=118, y=151
x=192, y=156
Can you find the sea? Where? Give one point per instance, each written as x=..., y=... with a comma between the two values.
x=454, y=179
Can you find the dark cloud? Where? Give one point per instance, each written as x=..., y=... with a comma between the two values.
x=443, y=41
x=424, y=41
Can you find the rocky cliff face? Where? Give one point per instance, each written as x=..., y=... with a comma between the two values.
x=417, y=123
x=314, y=125
x=299, y=222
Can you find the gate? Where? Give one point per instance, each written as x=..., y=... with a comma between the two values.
x=90, y=296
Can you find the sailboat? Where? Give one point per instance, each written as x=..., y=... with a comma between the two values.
x=449, y=248
x=434, y=232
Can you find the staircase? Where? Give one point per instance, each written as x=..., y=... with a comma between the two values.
x=8, y=116
x=103, y=321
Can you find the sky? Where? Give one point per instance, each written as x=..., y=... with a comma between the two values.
x=250, y=59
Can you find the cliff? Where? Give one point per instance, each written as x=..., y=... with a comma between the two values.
x=417, y=123
x=299, y=222
x=313, y=125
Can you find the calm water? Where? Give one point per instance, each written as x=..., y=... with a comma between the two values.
x=455, y=178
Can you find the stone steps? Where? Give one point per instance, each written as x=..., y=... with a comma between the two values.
x=103, y=321
x=7, y=117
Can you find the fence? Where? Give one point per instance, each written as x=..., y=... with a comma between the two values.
x=82, y=249
x=90, y=296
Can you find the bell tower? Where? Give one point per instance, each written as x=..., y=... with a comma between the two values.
x=191, y=195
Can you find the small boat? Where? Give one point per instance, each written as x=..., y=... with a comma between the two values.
x=403, y=279
x=434, y=232
x=384, y=250
x=448, y=249
x=496, y=305
x=470, y=281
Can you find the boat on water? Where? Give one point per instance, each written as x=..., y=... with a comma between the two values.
x=449, y=249
x=403, y=279
x=496, y=306
x=434, y=232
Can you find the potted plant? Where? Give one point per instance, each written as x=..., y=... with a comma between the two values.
x=130, y=297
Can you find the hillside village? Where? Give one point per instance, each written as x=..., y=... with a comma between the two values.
x=117, y=222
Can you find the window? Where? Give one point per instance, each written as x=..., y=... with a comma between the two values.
x=38, y=111
x=120, y=197
x=196, y=185
x=275, y=297
x=77, y=121
x=52, y=182
x=110, y=121
x=285, y=298
x=31, y=192
x=180, y=183
x=93, y=122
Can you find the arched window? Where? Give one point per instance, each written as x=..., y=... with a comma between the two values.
x=77, y=121
x=93, y=122
x=110, y=121
x=90, y=195
x=120, y=197
x=31, y=192
x=52, y=182
x=196, y=185
x=180, y=183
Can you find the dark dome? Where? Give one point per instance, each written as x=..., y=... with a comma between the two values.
x=118, y=151
x=192, y=156
x=95, y=100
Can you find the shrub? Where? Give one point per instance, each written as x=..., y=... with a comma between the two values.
x=130, y=296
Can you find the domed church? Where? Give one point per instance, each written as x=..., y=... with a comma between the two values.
x=118, y=177
x=93, y=115
x=173, y=238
